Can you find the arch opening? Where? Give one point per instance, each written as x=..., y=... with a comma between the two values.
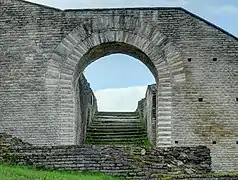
x=119, y=82
x=109, y=48
x=84, y=117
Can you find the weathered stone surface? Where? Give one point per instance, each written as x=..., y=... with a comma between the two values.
x=147, y=111
x=127, y=162
x=10, y=141
x=116, y=128
x=88, y=107
x=43, y=52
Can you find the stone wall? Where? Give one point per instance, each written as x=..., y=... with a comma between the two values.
x=147, y=111
x=194, y=62
x=207, y=177
x=88, y=107
x=127, y=162
x=28, y=34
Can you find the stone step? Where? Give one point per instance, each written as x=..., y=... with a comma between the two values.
x=116, y=114
x=116, y=120
x=134, y=120
x=120, y=136
x=116, y=117
x=124, y=130
x=119, y=143
x=112, y=140
x=98, y=124
x=117, y=133
x=115, y=127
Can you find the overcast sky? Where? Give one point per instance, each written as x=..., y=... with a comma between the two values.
x=119, y=81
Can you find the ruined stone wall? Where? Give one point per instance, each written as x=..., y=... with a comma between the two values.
x=202, y=110
x=88, y=108
x=127, y=162
x=147, y=111
x=12, y=142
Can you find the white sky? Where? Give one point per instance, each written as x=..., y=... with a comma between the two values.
x=120, y=99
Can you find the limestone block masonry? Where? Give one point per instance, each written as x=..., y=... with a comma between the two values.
x=127, y=162
x=43, y=52
x=147, y=111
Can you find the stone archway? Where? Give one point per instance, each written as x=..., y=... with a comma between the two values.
x=107, y=35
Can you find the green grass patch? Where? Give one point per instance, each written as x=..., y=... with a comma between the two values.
x=205, y=175
x=147, y=143
x=10, y=172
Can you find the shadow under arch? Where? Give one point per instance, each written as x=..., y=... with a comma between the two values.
x=103, y=36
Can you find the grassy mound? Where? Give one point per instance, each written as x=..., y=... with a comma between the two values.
x=9, y=172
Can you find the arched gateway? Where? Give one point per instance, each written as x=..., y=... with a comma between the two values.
x=43, y=52
x=104, y=36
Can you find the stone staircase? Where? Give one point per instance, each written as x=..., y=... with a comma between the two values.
x=121, y=128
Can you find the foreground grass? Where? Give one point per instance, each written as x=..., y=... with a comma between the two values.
x=210, y=175
x=9, y=172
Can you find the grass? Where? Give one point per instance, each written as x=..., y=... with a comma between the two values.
x=200, y=176
x=10, y=172
x=147, y=143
